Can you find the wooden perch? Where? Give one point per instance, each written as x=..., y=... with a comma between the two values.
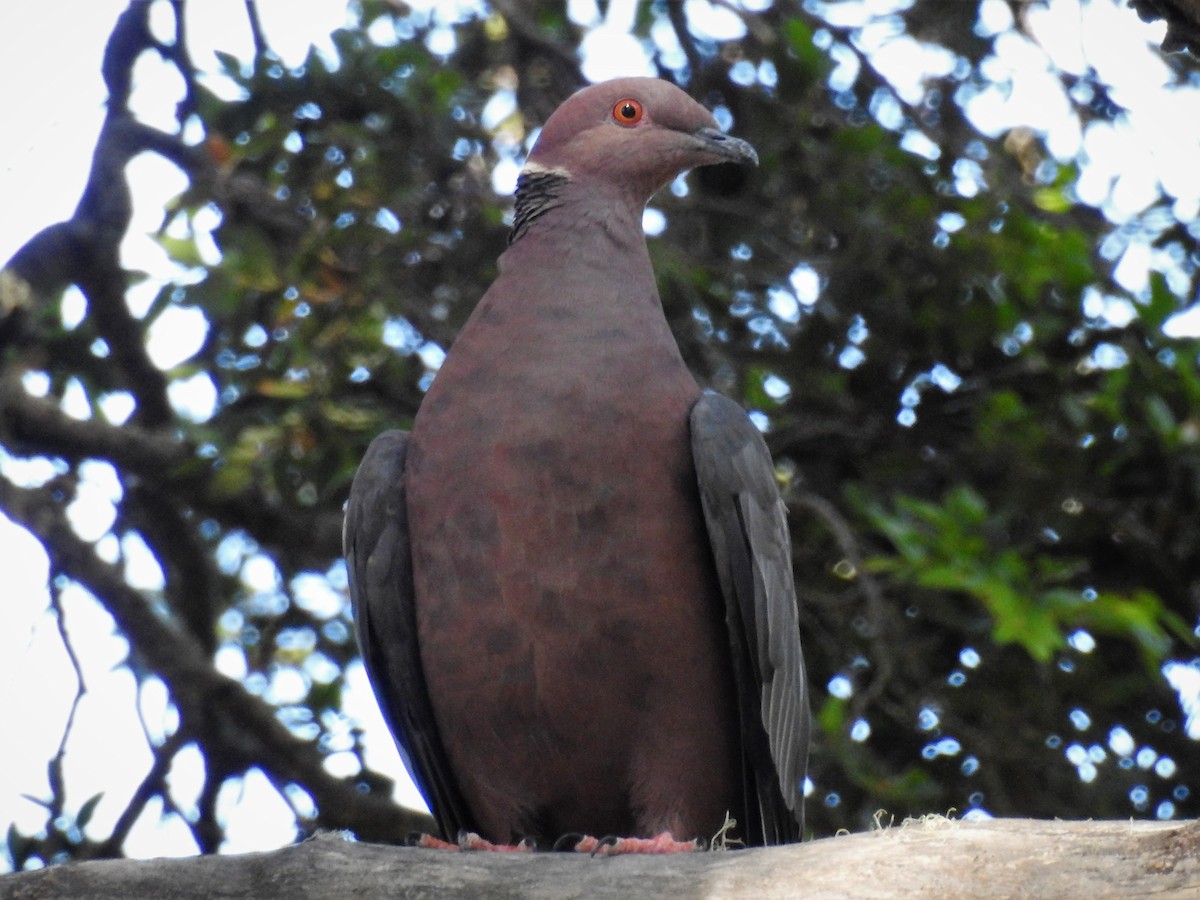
x=931, y=857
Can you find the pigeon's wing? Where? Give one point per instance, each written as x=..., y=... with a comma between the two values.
x=747, y=527
x=379, y=565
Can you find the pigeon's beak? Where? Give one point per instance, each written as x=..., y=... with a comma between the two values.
x=726, y=146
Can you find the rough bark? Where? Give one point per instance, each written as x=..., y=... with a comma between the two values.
x=932, y=857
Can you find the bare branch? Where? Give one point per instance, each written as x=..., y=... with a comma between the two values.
x=877, y=609
x=932, y=857
x=679, y=24
x=179, y=54
x=1182, y=18
x=240, y=731
x=154, y=784
x=256, y=30
x=58, y=789
x=40, y=426
x=531, y=35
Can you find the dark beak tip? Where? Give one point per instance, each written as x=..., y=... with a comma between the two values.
x=733, y=149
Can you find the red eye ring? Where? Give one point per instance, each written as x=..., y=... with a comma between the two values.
x=627, y=112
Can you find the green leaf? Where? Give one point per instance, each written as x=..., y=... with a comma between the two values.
x=283, y=388
x=831, y=717
x=1162, y=303
x=181, y=250
x=1159, y=415
x=1052, y=199
x=810, y=57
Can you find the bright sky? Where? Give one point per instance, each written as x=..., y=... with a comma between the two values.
x=51, y=123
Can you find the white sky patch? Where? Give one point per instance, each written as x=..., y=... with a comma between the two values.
x=157, y=107
x=185, y=780
x=293, y=28
x=610, y=51
x=154, y=835
x=1115, y=310
x=142, y=570
x=583, y=12
x=176, y=335
x=259, y=574
x=855, y=15
x=219, y=24
x=1132, y=272
x=918, y=142
x=504, y=177
x=613, y=53
x=908, y=64
x=1184, y=324
x=442, y=42
x=1185, y=680
x=158, y=181
x=1157, y=140
x=73, y=307
x=99, y=758
x=287, y=686
x=156, y=710
x=654, y=222
x=313, y=593
x=74, y=401
x=117, y=407
x=995, y=16
x=806, y=283
x=714, y=22
x=37, y=690
x=380, y=753
x=1116, y=43
x=666, y=42
x=194, y=398
x=501, y=105
x=52, y=121
x=1027, y=92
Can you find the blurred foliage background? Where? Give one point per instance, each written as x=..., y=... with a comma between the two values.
x=988, y=442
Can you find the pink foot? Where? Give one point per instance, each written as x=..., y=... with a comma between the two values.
x=429, y=842
x=662, y=843
x=469, y=840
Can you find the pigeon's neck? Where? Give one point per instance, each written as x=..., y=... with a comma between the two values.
x=553, y=206
x=576, y=272
x=575, y=298
x=538, y=191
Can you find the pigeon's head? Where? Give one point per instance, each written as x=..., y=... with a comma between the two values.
x=636, y=134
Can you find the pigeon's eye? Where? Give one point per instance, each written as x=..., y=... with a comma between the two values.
x=627, y=112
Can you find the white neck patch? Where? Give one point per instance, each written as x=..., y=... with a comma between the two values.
x=532, y=168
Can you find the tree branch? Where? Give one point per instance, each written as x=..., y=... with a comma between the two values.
x=256, y=30
x=933, y=857
x=240, y=731
x=154, y=784
x=40, y=426
x=679, y=24
x=877, y=607
x=1182, y=18
x=84, y=250
x=531, y=35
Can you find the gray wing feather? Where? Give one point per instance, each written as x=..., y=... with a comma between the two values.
x=379, y=565
x=747, y=527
